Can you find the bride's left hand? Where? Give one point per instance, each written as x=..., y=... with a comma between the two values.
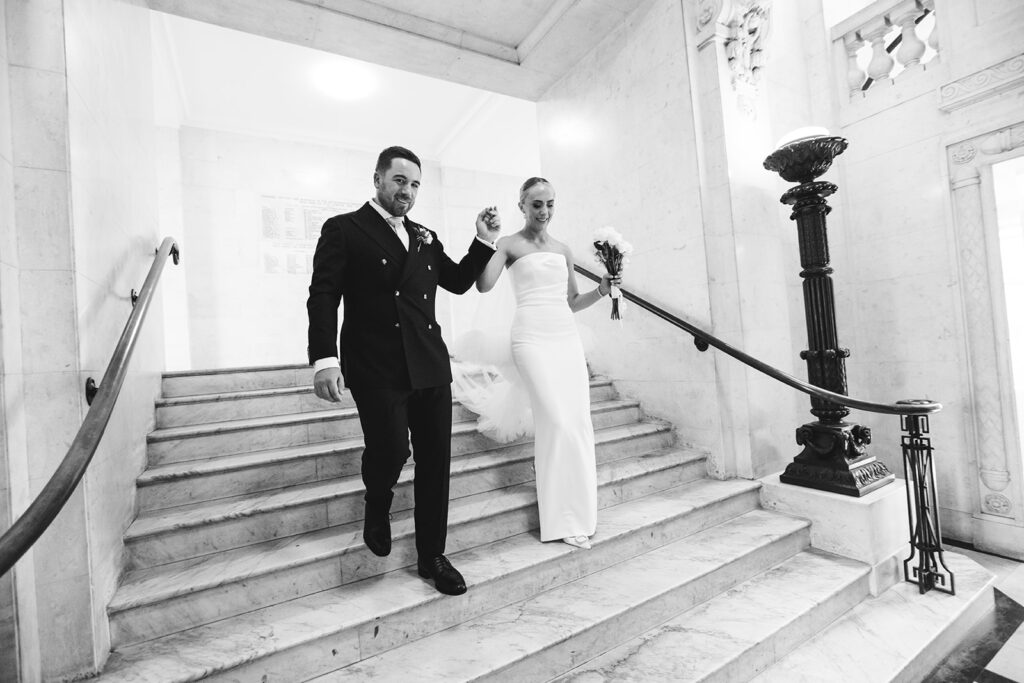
x=605, y=288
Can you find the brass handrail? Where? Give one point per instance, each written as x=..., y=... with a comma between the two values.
x=703, y=339
x=34, y=521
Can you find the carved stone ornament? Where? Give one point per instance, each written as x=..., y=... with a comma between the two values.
x=998, y=504
x=988, y=383
x=983, y=84
x=746, y=42
x=707, y=12
x=964, y=153
x=1005, y=140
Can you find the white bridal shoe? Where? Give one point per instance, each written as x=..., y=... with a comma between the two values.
x=578, y=541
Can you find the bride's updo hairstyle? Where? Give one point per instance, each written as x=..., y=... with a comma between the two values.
x=530, y=182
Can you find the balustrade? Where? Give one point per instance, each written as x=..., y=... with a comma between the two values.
x=886, y=39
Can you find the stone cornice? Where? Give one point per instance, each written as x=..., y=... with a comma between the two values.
x=983, y=84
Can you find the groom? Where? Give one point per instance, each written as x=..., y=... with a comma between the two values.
x=392, y=356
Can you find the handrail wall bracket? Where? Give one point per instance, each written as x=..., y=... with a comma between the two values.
x=835, y=456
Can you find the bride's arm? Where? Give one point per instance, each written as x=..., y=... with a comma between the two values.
x=577, y=301
x=492, y=271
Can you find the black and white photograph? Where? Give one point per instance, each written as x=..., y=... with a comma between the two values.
x=538, y=341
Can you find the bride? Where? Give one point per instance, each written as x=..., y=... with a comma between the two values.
x=548, y=355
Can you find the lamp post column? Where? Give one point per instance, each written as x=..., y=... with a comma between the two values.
x=834, y=456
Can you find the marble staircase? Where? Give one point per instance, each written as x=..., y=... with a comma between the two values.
x=246, y=563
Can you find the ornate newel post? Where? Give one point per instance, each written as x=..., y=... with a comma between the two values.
x=835, y=456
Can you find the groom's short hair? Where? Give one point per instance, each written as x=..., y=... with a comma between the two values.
x=391, y=153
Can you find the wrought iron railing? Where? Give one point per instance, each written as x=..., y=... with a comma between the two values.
x=925, y=533
x=34, y=521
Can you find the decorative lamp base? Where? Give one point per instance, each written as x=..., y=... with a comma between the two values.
x=835, y=459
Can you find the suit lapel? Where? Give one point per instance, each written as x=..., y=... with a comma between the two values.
x=415, y=246
x=377, y=229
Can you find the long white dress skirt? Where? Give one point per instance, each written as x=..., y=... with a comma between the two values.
x=548, y=354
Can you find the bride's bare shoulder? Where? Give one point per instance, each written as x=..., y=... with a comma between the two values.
x=515, y=245
x=563, y=249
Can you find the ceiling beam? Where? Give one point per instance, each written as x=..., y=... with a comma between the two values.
x=555, y=12
x=418, y=26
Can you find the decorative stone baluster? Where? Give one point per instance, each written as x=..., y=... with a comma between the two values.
x=881, y=63
x=911, y=48
x=855, y=76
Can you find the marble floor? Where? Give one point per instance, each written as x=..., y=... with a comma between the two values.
x=993, y=652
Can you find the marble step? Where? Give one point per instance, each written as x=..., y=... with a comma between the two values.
x=194, y=481
x=195, y=382
x=156, y=601
x=546, y=634
x=190, y=531
x=740, y=632
x=204, y=409
x=177, y=444
x=898, y=636
x=309, y=635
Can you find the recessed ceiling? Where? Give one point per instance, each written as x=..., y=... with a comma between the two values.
x=230, y=80
x=517, y=48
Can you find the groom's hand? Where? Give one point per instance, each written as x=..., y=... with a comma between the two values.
x=488, y=224
x=327, y=384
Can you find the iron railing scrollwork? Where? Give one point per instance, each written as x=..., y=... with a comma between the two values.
x=930, y=571
x=16, y=541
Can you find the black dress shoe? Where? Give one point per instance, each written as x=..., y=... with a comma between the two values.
x=447, y=578
x=377, y=531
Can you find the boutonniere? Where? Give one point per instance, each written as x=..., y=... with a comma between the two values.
x=423, y=236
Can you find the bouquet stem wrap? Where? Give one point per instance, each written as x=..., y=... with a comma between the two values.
x=616, y=294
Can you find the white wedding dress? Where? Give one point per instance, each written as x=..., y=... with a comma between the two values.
x=548, y=355
x=522, y=369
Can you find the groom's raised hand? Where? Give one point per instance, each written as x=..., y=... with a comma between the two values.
x=327, y=384
x=488, y=224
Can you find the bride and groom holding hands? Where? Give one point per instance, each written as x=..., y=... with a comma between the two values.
x=392, y=358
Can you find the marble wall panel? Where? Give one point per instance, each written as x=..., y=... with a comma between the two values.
x=6, y=150
x=49, y=332
x=35, y=208
x=38, y=118
x=47, y=396
x=617, y=142
x=34, y=44
x=8, y=231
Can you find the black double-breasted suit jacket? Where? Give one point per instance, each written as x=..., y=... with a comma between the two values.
x=389, y=334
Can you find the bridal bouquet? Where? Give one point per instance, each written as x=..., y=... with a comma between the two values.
x=611, y=251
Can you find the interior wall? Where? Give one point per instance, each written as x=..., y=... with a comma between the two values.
x=114, y=212
x=10, y=355
x=248, y=267
x=911, y=330
x=618, y=143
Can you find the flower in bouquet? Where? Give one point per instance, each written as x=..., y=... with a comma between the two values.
x=612, y=251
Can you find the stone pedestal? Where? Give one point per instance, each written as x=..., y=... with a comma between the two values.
x=871, y=528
